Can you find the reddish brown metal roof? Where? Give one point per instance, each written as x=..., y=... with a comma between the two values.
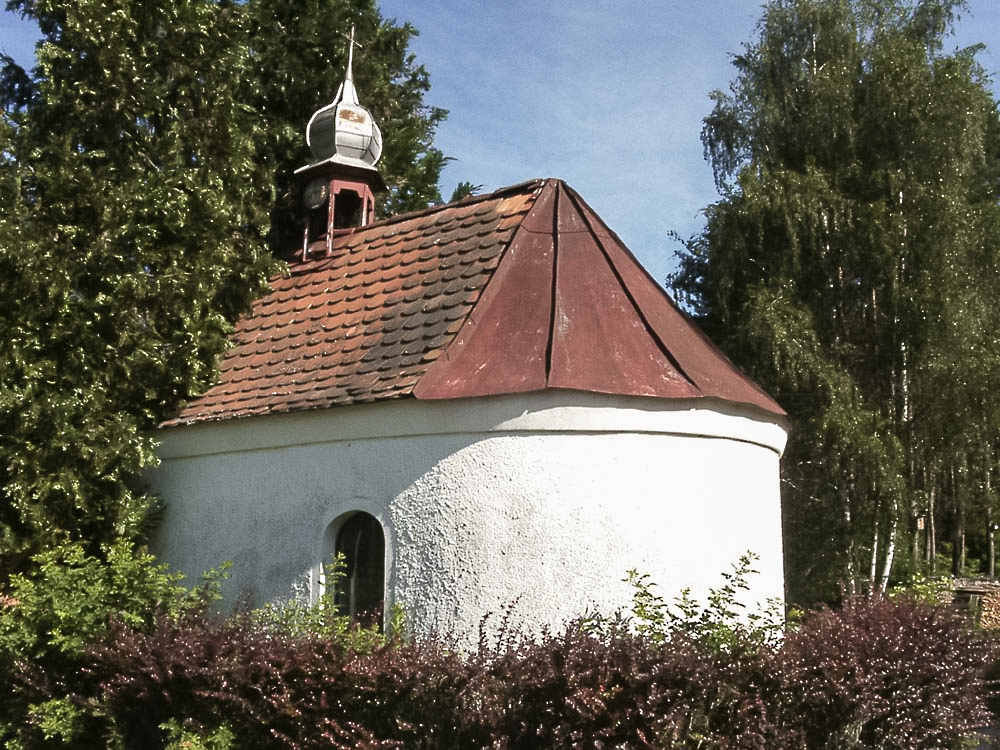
x=520, y=290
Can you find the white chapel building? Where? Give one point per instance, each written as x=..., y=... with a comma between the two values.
x=482, y=405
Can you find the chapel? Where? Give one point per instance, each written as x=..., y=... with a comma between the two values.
x=482, y=406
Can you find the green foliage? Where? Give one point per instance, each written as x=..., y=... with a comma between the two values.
x=65, y=602
x=179, y=738
x=127, y=250
x=68, y=600
x=464, y=190
x=294, y=618
x=851, y=268
x=139, y=161
x=920, y=588
x=720, y=623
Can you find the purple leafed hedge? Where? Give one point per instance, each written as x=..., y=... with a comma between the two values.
x=872, y=674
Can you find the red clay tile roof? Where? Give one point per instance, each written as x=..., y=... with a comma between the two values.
x=520, y=290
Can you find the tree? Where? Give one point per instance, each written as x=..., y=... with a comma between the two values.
x=851, y=267
x=127, y=248
x=464, y=190
x=138, y=166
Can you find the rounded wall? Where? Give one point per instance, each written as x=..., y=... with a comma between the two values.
x=542, y=502
x=550, y=525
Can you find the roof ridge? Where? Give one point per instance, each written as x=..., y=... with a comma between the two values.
x=299, y=267
x=520, y=187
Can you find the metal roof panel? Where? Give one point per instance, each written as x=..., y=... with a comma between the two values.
x=519, y=290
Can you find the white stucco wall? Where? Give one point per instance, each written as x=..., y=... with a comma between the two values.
x=545, y=499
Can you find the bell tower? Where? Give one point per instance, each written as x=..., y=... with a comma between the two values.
x=339, y=185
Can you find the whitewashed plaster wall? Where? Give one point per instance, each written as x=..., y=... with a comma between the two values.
x=546, y=499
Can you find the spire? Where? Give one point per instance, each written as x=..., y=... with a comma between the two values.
x=347, y=92
x=339, y=186
x=344, y=131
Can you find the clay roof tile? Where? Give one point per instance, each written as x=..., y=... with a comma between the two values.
x=373, y=321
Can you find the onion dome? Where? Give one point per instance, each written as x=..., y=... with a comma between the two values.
x=344, y=131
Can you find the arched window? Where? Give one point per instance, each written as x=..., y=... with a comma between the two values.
x=361, y=542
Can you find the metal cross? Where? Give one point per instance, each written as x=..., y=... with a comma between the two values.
x=350, y=48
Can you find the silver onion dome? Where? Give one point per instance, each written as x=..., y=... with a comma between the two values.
x=344, y=131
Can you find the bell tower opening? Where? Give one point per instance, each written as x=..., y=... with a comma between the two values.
x=316, y=226
x=347, y=210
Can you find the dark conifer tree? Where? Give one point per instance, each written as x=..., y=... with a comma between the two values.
x=138, y=169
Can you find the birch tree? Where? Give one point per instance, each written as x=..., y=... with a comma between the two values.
x=851, y=267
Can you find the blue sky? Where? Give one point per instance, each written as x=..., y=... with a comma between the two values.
x=606, y=94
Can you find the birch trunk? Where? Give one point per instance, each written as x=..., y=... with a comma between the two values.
x=890, y=551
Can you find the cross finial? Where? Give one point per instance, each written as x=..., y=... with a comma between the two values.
x=350, y=54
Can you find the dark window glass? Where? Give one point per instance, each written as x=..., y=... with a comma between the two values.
x=362, y=590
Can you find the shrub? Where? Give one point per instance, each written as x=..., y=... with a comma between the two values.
x=49, y=615
x=167, y=674
x=605, y=685
x=272, y=689
x=884, y=674
x=721, y=623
